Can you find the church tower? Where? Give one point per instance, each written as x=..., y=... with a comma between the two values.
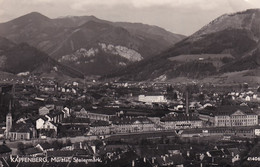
x=8, y=123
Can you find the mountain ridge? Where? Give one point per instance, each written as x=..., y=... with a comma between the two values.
x=18, y=58
x=65, y=36
x=217, y=38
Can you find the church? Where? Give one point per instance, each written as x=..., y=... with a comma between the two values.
x=19, y=131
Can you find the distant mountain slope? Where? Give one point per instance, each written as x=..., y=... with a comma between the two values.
x=66, y=36
x=229, y=43
x=17, y=58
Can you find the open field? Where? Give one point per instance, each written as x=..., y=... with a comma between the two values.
x=201, y=57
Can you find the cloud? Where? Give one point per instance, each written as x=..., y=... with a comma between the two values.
x=203, y=4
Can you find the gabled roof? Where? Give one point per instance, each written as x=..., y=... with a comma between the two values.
x=228, y=111
x=216, y=153
x=32, y=150
x=176, y=159
x=43, y=118
x=22, y=128
x=67, y=153
x=180, y=117
x=4, y=149
x=45, y=146
x=99, y=123
x=129, y=120
x=54, y=113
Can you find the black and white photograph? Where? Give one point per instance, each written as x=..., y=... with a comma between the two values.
x=129, y=83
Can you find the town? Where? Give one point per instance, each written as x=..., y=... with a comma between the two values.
x=92, y=123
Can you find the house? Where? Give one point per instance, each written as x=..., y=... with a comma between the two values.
x=45, y=110
x=81, y=114
x=66, y=112
x=45, y=127
x=75, y=84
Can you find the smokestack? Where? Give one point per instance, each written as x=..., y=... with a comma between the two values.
x=187, y=102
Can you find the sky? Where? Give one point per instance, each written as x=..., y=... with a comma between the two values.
x=178, y=16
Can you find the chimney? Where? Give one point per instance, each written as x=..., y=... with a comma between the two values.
x=187, y=102
x=133, y=163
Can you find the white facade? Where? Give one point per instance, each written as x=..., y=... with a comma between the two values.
x=42, y=124
x=238, y=118
x=152, y=99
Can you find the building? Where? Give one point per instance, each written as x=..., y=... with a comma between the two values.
x=100, y=128
x=152, y=99
x=235, y=116
x=55, y=116
x=44, y=126
x=93, y=116
x=45, y=110
x=130, y=125
x=181, y=121
x=20, y=131
x=226, y=116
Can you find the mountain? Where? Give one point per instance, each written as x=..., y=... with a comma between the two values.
x=89, y=44
x=22, y=58
x=228, y=44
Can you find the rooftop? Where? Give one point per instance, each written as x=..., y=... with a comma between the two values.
x=180, y=117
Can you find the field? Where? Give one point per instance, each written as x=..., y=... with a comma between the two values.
x=201, y=57
x=251, y=77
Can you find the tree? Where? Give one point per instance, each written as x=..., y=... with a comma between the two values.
x=201, y=97
x=57, y=144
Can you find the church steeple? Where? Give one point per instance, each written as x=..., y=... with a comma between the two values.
x=8, y=123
